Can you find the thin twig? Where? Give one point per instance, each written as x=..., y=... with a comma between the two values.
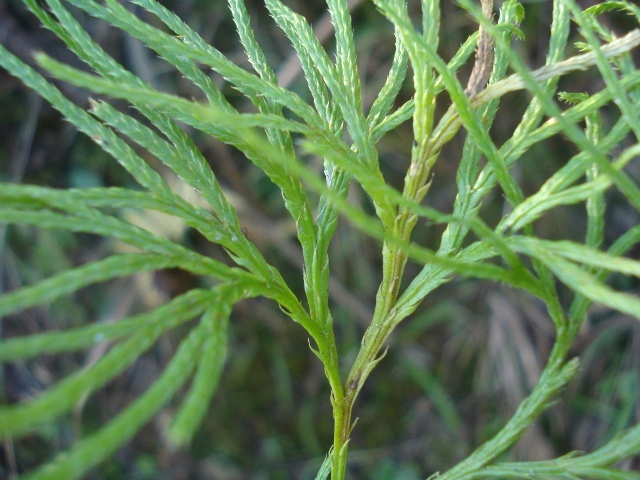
x=484, y=55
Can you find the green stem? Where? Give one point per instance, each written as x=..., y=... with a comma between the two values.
x=340, y=441
x=384, y=319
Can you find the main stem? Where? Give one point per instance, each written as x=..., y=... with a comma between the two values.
x=340, y=440
x=381, y=326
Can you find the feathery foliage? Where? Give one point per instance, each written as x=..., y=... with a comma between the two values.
x=283, y=137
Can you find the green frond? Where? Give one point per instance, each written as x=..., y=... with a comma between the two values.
x=317, y=150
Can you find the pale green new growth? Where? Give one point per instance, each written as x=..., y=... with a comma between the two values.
x=335, y=127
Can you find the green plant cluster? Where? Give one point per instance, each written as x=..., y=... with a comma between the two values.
x=280, y=138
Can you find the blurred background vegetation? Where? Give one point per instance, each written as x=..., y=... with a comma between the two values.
x=455, y=370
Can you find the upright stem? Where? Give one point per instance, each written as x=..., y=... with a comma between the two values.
x=375, y=336
x=394, y=259
x=340, y=445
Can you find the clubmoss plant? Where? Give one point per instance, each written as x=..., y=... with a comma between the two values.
x=279, y=139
